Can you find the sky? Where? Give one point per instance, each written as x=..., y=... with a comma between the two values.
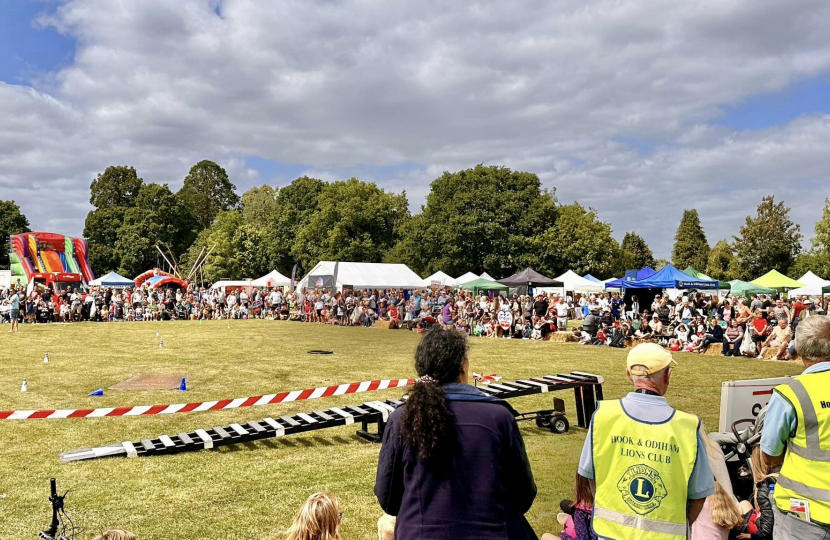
x=639, y=109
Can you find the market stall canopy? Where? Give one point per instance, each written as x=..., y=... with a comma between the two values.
x=571, y=281
x=595, y=280
x=747, y=289
x=466, y=278
x=530, y=278
x=441, y=279
x=814, y=286
x=273, y=279
x=633, y=275
x=361, y=276
x=482, y=284
x=670, y=277
x=113, y=281
x=700, y=275
x=612, y=288
x=776, y=280
x=485, y=275
x=811, y=279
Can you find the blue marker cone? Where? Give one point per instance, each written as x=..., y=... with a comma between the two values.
x=183, y=385
x=96, y=393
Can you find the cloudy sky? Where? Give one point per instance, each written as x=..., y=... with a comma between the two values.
x=637, y=108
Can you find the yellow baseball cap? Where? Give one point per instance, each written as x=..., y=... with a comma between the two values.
x=651, y=355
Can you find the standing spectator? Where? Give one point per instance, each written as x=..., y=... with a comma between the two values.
x=796, y=422
x=453, y=464
x=629, y=484
x=561, y=315
x=14, y=313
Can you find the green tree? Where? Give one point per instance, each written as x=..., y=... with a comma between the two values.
x=805, y=262
x=354, y=221
x=690, y=245
x=481, y=219
x=819, y=256
x=721, y=260
x=158, y=218
x=116, y=186
x=217, y=240
x=635, y=251
x=578, y=241
x=206, y=191
x=12, y=221
x=259, y=206
x=111, y=193
x=768, y=241
x=296, y=204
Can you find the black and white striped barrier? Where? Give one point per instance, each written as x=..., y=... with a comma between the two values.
x=587, y=391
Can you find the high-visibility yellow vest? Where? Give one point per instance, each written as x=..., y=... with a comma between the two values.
x=805, y=473
x=642, y=473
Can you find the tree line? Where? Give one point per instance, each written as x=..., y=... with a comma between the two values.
x=483, y=219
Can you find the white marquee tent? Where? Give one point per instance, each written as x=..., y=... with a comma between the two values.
x=443, y=280
x=574, y=282
x=813, y=285
x=273, y=279
x=366, y=275
x=466, y=278
x=485, y=275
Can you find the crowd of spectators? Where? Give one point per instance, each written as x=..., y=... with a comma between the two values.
x=740, y=326
x=693, y=322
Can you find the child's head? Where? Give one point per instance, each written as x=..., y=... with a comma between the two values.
x=115, y=534
x=318, y=519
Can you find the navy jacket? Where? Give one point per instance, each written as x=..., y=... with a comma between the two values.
x=487, y=489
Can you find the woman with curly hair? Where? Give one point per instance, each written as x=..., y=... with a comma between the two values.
x=453, y=463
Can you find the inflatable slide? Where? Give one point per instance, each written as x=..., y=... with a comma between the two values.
x=38, y=254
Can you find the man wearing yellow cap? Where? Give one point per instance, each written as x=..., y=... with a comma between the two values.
x=647, y=460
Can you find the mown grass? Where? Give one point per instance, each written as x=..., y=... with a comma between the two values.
x=252, y=490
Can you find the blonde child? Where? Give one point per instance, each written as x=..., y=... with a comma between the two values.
x=318, y=519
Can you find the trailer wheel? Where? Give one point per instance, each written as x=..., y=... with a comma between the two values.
x=543, y=421
x=559, y=424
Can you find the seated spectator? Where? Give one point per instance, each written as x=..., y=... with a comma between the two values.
x=732, y=339
x=115, y=534
x=778, y=340
x=453, y=463
x=713, y=334
x=577, y=514
x=758, y=515
x=318, y=519
x=602, y=335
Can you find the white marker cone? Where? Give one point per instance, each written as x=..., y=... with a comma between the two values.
x=157, y=333
x=229, y=326
x=25, y=386
x=46, y=358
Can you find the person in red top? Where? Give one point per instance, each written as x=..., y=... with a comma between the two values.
x=761, y=329
x=394, y=315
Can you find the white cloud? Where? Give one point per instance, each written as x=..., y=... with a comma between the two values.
x=551, y=87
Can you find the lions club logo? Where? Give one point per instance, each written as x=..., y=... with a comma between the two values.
x=642, y=489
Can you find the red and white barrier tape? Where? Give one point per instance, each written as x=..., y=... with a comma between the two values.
x=255, y=401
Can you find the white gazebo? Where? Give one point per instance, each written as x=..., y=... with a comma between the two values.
x=466, y=278
x=485, y=275
x=812, y=286
x=272, y=279
x=441, y=279
x=574, y=282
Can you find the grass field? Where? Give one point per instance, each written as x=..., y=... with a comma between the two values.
x=252, y=491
